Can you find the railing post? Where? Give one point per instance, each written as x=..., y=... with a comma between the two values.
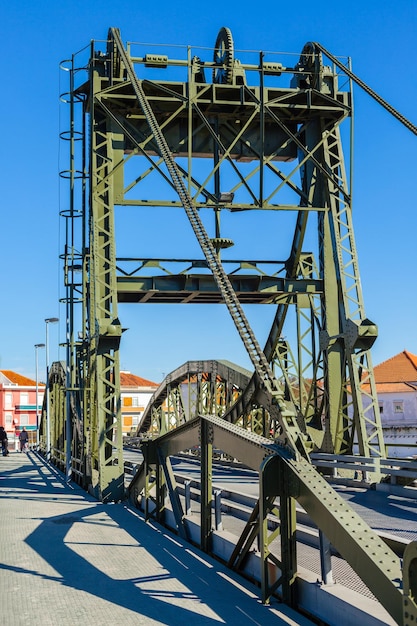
x=218, y=510
x=325, y=559
x=187, y=488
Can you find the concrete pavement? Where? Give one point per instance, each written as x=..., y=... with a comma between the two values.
x=67, y=560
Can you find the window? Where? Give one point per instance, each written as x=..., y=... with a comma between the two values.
x=8, y=401
x=135, y=401
x=127, y=401
x=381, y=407
x=24, y=398
x=24, y=420
x=398, y=406
x=8, y=418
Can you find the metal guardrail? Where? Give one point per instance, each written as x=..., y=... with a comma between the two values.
x=362, y=466
x=238, y=504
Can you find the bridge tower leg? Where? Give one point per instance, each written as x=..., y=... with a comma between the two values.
x=105, y=461
x=93, y=407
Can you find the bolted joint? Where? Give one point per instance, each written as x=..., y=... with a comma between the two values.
x=110, y=328
x=360, y=335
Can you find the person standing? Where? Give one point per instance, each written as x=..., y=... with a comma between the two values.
x=23, y=438
x=4, y=441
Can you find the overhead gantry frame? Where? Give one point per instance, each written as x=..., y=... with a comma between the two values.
x=274, y=125
x=265, y=145
x=275, y=148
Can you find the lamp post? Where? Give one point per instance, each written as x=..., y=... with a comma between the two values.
x=37, y=345
x=48, y=320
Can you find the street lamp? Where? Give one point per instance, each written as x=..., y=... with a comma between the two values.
x=37, y=345
x=48, y=320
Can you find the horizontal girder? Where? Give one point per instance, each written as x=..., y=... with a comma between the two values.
x=203, y=289
x=222, y=104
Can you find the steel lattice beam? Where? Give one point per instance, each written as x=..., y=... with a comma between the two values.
x=280, y=146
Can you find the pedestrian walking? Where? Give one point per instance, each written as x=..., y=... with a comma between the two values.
x=23, y=438
x=4, y=441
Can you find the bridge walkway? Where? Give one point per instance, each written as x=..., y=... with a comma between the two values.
x=70, y=560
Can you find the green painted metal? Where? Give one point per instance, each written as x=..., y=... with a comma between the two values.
x=410, y=586
x=264, y=145
x=92, y=385
x=282, y=475
x=281, y=146
x=332, y=341
x=57, y=409
x=106, y=456
x=196, y=387
x=165, y=464
x=202, y=289
x=271, y=473
x=206, y=491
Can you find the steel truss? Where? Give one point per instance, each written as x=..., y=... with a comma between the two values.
x=304, y=120
x=267, y=137
x=273, y=148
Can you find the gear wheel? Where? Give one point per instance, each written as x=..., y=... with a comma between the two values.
x=223, y=57
x=311, y=62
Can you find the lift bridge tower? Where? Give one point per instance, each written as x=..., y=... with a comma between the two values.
x=216, y=133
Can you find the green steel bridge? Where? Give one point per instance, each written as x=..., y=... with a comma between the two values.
x=209, y=133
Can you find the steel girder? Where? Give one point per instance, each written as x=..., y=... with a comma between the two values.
x=345, y=334
x=283, y=479
x=105, y=459
x=93, y=371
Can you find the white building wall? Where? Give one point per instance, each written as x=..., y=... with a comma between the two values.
x=399, y=427
x=391, y=415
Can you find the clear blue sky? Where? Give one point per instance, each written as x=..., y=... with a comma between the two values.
x=381, y=40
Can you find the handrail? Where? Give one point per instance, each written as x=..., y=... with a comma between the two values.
x=405, y=468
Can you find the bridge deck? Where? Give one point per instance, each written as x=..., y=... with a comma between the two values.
x=70, y=560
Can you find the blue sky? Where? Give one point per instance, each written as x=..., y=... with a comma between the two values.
x=379, y=37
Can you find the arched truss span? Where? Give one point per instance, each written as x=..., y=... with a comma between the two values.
x=197, y=387
x=213, y=387
x=53, y=409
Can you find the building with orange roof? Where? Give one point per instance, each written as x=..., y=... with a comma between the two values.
x=135, y=395
x=396, y=386
x=18, y=404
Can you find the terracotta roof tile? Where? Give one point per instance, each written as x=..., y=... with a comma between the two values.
x=394, y=388
x=131, y=380
x=18, y=379
x=400, y=368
